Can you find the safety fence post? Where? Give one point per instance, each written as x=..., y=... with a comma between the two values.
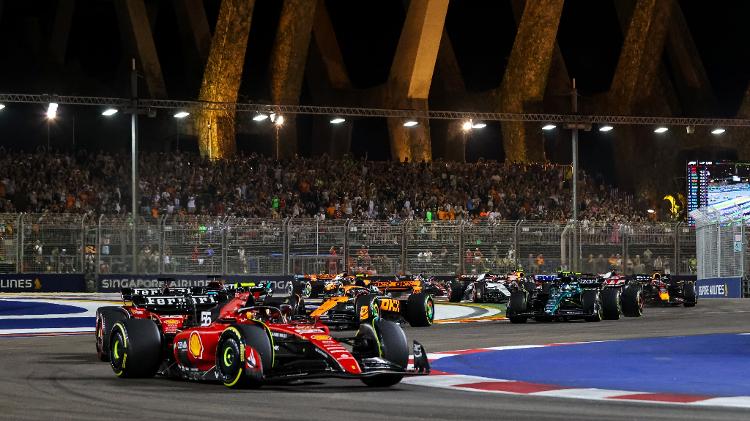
x=285, y=253
x=515, y=243
x=22, y=234
x=346, y=245
x=461, y=247
x=404, y=247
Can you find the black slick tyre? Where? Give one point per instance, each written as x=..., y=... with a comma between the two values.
x=632, y=301
x=135, y=348
x=106, y=317
x=457, y=292
x=592, y=305
x=298, y=306
x=243, y=353
x=366, y=308
x=691, y=298
x=516, y=305
x=420, y=310
x=478, y=292
x=611, y=303
x=393, y=348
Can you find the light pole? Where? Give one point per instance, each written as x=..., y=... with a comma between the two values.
x=179, y=116
x=51, y=115
x=467, y=127
x=574, y=104
x=134, y=161
x=278, y=121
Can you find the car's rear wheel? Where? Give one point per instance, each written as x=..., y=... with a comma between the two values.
x=393, y=348
x=632, y=301
x=516, y=305
x=366, y=307
x=298, y=306
x=135, y=348
x=243, y=354
x=611, y=303
x=592, y=305
x=420, y=310
x=478, y=292
x=691, y=298
x=106, y=317
x=457, y=292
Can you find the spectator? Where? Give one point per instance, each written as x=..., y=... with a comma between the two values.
x=256, y=186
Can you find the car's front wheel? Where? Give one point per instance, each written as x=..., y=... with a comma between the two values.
x=243, y=353
x=420, y=310
x=611, y=303
x=392, y=347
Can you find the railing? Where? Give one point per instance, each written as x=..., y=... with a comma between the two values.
x=56, y=243
x=722, y=249
x=630, y=248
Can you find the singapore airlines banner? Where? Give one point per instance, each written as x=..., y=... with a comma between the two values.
x=719, y=288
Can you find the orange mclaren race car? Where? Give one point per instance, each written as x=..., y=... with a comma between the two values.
x=345, y=301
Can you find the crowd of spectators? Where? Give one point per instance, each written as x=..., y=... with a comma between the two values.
x=324, y=188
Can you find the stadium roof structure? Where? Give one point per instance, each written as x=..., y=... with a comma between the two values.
x=729, y=211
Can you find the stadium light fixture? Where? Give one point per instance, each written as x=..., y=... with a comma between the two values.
x=605, y=128
x=2, y=106
x=52, y=110
x=279, y=121
x=718, y=131
x=548, y=127
x=260, y=117
x=181, y=114
x=479, y=125
x=337, y=120
x=661, y=129
x=467, y=125
x=109, y=112
x=410, y=123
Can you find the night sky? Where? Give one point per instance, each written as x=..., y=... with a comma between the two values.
x=482, y=33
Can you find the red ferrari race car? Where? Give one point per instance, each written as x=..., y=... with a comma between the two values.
x=242, y=344
x=165, y=306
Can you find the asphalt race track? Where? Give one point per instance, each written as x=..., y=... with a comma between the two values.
x=60, y=378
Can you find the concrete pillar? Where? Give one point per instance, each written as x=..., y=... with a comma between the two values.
x=641, y=54
x=328, y=83
x=58, y=43
x=134, y=21
x=525, y=78
x=448, y=91
x=288, y=59
x=330, y=51
x=222, y=78
x=634, y=91
x=411, y=76
x=691, y=79
x=196, y=35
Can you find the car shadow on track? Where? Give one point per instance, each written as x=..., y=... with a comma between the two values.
x=56, y=359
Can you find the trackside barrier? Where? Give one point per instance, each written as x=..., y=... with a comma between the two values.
x=729, y=287
x=42, y=282
x=114, y=282
x=197, y=245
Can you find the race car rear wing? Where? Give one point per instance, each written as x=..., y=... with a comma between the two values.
x=170, y=299
x=129, y=293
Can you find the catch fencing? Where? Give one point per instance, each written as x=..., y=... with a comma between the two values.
x=52, y=243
